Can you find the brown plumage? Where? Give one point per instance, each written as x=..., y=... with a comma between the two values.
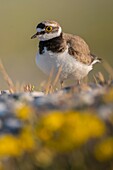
x=78, y=48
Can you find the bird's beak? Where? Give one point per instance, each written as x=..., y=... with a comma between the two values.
x=35, y=35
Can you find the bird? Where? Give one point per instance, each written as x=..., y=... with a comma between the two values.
x=64, y=51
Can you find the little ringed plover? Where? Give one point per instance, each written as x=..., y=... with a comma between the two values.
x=58, y=49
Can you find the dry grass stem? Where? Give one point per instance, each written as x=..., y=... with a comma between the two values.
x=57, y=76
x=28, y=88
x=100, y=77
x=7, y=78
x=48, y=87
x=95, y=79
x=108, y=68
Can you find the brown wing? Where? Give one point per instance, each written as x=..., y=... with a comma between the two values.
x=78, y=48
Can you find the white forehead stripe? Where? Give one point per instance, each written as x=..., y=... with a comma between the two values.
x=48, y=24
x=59, y=31
x=39, y=29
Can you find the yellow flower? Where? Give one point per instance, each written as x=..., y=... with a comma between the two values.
x=9, y=146
x=24, y=112
x=52, y=122
x=63, y=131
x=104, y=150
x=16, y=145
x=26, y=139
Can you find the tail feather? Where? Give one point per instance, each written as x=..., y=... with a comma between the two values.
x=95, y=59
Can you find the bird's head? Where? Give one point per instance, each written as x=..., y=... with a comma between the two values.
x=47, y=30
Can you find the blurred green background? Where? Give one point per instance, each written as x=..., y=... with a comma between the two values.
x=91, y=19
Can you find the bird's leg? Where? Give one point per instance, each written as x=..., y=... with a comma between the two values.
x=61, y=84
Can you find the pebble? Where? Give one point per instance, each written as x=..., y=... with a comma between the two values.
x=64, y=99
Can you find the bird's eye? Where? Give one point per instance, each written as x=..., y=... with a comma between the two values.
x=48, y=29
